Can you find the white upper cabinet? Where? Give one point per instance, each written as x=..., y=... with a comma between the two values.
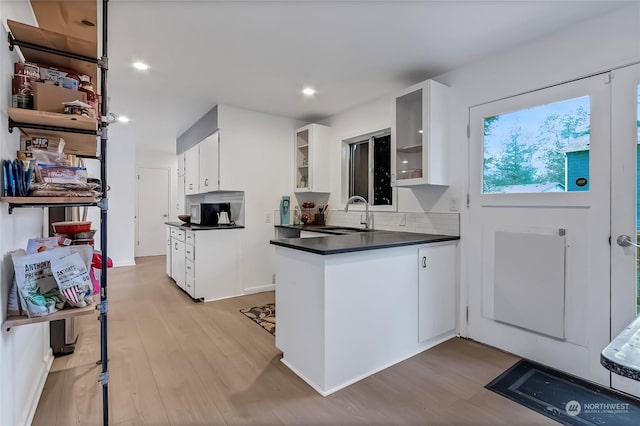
x=181, y=161
x=312, y=159
x=202, y=166
x=209, y=167
x=418, y=137
x=192, y=171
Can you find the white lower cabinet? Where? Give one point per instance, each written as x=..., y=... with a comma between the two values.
x=206, y=264
x=168, y=251
x=436, y=291
x=178, y=262
x=217, y=264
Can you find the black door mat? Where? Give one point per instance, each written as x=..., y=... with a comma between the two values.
x=564, y=398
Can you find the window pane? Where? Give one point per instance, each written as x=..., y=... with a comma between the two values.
x=382, y=193
x=359, y=169
x=539, y=149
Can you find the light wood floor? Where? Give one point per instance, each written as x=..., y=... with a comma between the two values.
x=173, y=361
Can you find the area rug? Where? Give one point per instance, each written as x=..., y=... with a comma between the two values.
x=564, y=398
x=264, y=316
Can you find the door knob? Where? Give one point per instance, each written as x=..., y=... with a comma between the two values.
x=625, y=241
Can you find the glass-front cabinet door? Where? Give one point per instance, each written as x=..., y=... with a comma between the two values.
x=409, y=131
x=419, y=126
x=302, y=158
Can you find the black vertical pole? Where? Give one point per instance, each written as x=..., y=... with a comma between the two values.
x=104, y=206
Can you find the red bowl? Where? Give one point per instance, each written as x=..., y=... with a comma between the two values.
x=71, y=227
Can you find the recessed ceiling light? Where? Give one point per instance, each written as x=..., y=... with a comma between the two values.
x=140, y=66
x=420, y=131
x=405, y=161
x=123, y=119
x=404, y=171
x=308, y=91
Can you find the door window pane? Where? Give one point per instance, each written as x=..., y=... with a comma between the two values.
x=539, y=149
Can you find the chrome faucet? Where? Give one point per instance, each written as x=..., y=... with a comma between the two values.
x=366, y=209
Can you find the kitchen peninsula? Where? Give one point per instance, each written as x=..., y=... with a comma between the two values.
x=353, y=304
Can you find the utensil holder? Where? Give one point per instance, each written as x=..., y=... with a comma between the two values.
x=318, y=219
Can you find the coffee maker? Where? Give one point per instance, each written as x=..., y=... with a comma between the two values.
x=284, y=210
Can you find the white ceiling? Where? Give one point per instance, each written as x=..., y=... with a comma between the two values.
x=259, y=55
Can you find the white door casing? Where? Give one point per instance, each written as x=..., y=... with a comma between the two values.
x=584, y=219
x=153, y=211
x=624, y=136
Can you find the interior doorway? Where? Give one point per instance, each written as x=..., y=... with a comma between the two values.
x=152, y=211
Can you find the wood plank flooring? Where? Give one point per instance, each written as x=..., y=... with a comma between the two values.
x=173, y=361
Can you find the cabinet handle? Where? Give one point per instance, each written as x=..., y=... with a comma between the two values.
x=188, y=252
x=424, y=261
x=176, y=246
x=206, y=182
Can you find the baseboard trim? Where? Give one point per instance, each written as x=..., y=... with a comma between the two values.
x=429, y=344
x=48, y=361
x=259, y=289
x=124, y=263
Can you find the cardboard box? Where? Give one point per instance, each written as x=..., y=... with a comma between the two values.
x=50, y=98
x=27, y=143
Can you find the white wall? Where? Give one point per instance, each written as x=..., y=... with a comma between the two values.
x=25, y=356
x=256, y=156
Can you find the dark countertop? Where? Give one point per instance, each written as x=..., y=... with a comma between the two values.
x=622, y=355
x=190, y=227
x=359, y=241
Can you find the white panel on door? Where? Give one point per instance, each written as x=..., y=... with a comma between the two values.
x=529, y=284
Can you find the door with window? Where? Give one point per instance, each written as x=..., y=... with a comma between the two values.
x=537, y=248
x=625, y=132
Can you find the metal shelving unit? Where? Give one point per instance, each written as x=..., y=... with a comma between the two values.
x=48, y=47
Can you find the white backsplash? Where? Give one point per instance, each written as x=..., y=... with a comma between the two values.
x=425, y=223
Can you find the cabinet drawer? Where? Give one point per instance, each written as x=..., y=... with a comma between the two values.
x=190, y=238
x=190, y=267
x=190, y=286
x=174, y=232
x=180, y=235
x=190, y=252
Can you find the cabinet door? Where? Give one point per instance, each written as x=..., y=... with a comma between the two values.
x=180, y=196
x=303, y=158
x=192, y=170
x=209, y=164
x=178, y=262
x=181, y=161
x=418, y=136
x=168, y=266
x=436, y=291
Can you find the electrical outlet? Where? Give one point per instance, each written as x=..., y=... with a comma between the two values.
x=403, y=220
x=267, y=217
x=453, y=204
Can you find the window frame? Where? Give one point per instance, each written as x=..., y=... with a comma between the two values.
x=345, y=181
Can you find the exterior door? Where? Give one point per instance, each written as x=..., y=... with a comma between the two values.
x=538, y=226
x=625, y=132
x=153, y=211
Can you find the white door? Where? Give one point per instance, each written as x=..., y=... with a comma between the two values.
x=153, y=211
x=537, y=240
x=625, y=112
